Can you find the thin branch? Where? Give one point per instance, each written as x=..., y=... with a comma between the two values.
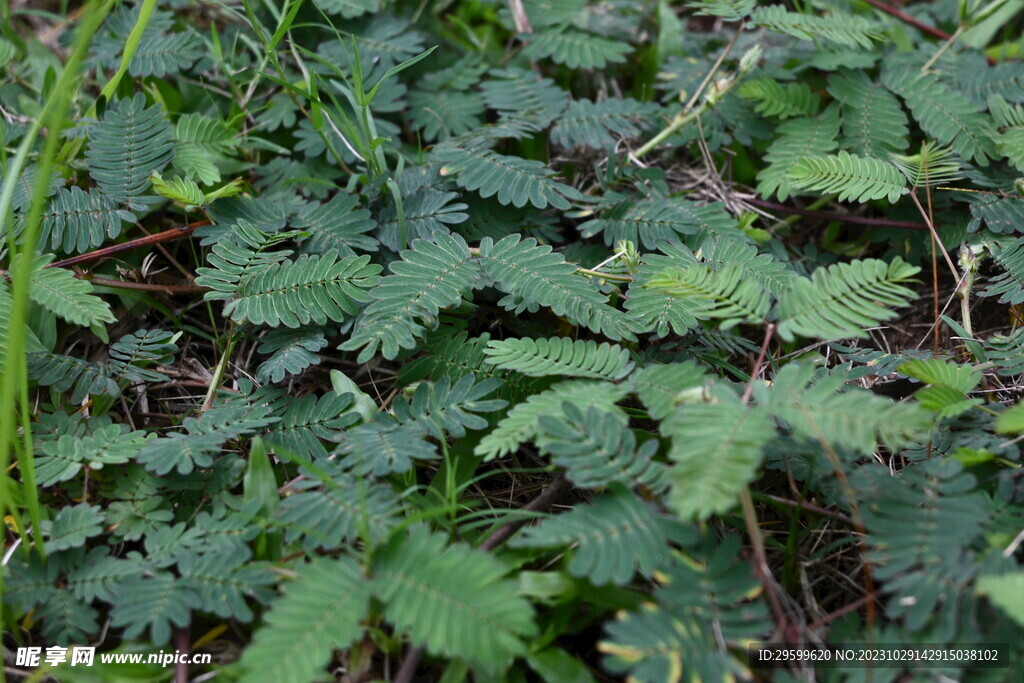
x=688, y=113
x=810, y=507
x=761, y=568
x=548, y=497
x=841, y=217
x=911, y=21
x=769, y=330
x=845, y=609
x=935, y=236
x=148, y=240
x=142, y=286
x=519, y=16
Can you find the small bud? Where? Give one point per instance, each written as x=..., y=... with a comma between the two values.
x=749, y=60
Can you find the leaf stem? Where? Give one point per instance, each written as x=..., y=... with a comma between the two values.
x=841, y=217
x=218, y=375
x=685, y=116
x=148, y=240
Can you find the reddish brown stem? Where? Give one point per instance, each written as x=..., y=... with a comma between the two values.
x=841, y=217
x=143, y=286
x=810, y=507
x=846, y=609
x=911, y=21
x=147, y=241
x=182, y=642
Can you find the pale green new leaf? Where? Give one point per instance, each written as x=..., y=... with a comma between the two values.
x=178, y=189
x=931, y=166
x=963, y=378
x=1011, y=420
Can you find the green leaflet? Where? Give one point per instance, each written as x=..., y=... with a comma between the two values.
x=716, y=450
x=521, y=424
x=452, y=599
x=614, y=537
x=514, y=180
x=841, y=300
x=560, y=356
x=320, y=610
x=851, y=177
x=311, y=289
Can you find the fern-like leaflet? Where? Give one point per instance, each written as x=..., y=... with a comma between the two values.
x=311, y=289
x=852, y=177
x=534, y=276
x=125, y=147
x=560, y=356
x=430, y=276
x=614, y=537
x=842, y=300
x=452, y=599
x=514, y=180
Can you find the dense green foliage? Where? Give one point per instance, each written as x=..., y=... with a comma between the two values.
x=511, y=340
